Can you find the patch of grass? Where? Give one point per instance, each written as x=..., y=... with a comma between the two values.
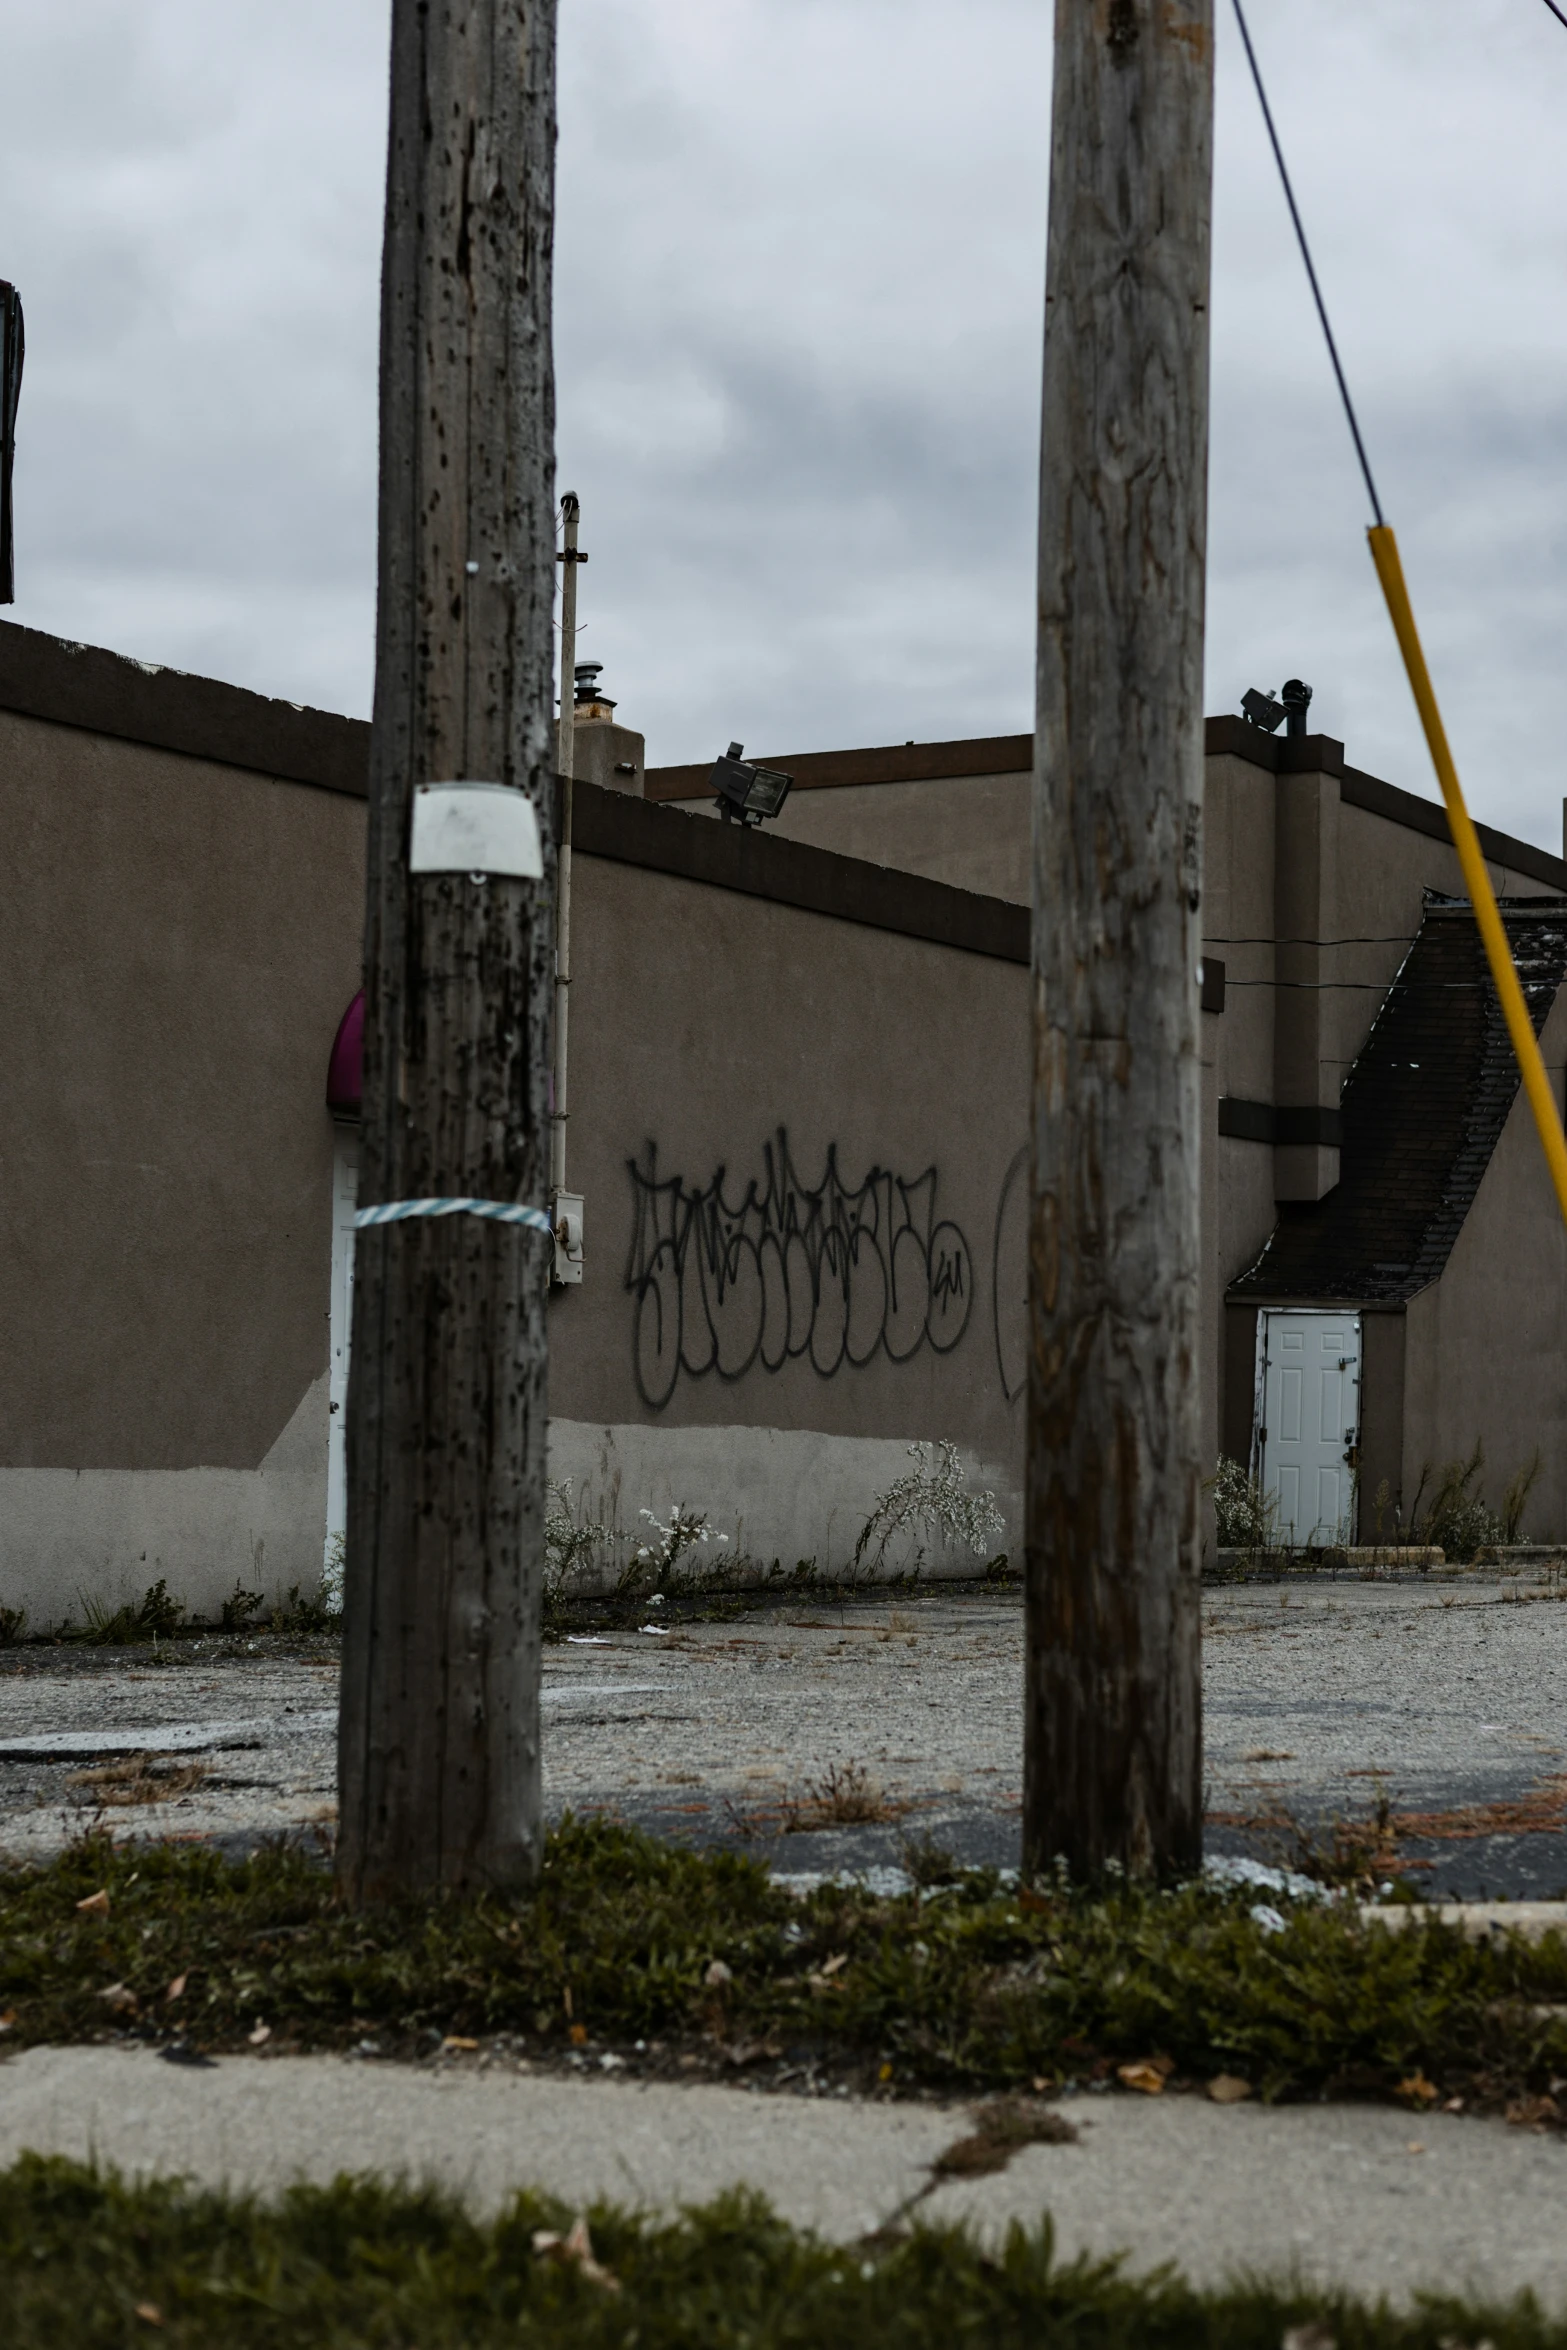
x=155, y=1616
x=88, y=2260
x=239, y=1609
x=628, y=1940
x=301, y=1613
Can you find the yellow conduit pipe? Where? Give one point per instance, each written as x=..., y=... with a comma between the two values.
x=1537, y=1085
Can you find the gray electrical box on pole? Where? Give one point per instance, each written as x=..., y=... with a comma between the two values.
x=1112, y=1749
x=438, y=1757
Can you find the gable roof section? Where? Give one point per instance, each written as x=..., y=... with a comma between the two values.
x=1423, y=1109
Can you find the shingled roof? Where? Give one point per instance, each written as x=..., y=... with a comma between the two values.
x=1423, y=1108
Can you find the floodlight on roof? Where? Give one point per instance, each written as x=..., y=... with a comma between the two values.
x=1292, y=703
x=1262, y=710
x=748, y=793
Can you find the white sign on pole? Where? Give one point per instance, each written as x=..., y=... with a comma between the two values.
x=478, y=828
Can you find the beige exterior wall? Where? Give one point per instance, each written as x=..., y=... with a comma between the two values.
x=180, y=940
x=182, y=936
x=1310, y=902
x=708, y=1029
x=1486, y=1345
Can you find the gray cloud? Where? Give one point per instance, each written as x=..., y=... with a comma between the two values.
x=800, y=262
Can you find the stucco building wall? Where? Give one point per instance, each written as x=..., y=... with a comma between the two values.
x=1485, y=1347
x=184, y=913
x=183, y=940
x=179, y=937
x=726, y=1047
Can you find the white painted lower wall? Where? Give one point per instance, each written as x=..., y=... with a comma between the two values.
x=106, y=1534
x=779, y=1496
x=776, y=1494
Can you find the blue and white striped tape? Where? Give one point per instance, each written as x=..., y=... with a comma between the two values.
x=396, y=1211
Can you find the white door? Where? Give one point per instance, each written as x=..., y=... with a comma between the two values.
x=345, y=1192
x=1308, y=1382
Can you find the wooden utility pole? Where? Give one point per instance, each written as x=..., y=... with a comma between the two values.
x=438, y=1756
x=1112, y=1761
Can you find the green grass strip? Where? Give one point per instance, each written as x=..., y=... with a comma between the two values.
x=88, y=2260
x=967, y=1983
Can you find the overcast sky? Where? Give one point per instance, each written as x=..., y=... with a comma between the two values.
x=800, y=268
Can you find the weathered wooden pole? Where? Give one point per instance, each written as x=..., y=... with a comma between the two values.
x=438, y=1756
x=1112, y=1746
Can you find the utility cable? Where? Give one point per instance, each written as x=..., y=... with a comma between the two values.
x=1471, y=859
x=1556, y=12
x=1305, y=254
x=1387, y=938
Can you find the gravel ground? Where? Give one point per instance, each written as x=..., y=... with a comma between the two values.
x=1375, y=2200
x=1321, y=1694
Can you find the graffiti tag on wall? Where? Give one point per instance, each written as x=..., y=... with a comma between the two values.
x=832, y=1272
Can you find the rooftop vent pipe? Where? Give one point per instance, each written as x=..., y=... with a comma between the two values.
x=587, y=690
x=11, y=348
x=1296, y=698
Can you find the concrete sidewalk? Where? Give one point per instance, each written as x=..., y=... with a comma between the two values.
x=1363, y=2196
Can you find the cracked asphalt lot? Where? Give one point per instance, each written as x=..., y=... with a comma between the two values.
x=1446, y=1698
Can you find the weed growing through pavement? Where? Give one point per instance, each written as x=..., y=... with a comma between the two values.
x=665, y=1561
x=1459, y=1520
x=155, y=1616
x=570, y=1542
x=301, y=1613
x=239, y=1608
x=970, y=1983
x=1245, y=1518
x=334, y=1568
x=657, y=1564
x=1516, y=1499
x=845, y=1796
x=931, y=1498
x=1358, y=1854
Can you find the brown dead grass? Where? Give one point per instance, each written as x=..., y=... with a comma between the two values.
x=845, y=1796
x=1543, y=1811
x=140, y=1778
x=1356, y=1852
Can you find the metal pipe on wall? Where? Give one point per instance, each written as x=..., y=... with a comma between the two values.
x=566, y=765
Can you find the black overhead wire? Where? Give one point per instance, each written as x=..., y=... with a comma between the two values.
x=1386, y=938
x=1305, y=254
x=1556, y=12
x=1365, y=986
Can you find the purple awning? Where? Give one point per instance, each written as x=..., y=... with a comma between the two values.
x=345, y=1070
